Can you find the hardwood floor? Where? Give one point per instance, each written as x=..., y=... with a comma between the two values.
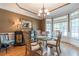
x=66, y=50
x=69, y=50
x=14, y=51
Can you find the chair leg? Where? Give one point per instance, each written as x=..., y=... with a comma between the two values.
x=60, y=49
x=41, y=51
x=57, y=51
x=6, y=49
x=51, y=50
x=0, y=49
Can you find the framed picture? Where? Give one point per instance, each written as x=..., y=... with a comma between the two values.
x=26, y=24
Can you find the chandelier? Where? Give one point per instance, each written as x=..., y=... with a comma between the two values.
x=43, y=12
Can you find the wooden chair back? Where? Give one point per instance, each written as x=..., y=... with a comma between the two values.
x=58, y=39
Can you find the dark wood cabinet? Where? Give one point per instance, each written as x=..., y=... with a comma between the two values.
x=19, y=39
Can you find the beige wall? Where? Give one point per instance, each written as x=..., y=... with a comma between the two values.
x=8, y=21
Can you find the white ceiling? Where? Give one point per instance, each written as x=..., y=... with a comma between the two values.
x=14, y=8
x=34, y=7
x=65, y=10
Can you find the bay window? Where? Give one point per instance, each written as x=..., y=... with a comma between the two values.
x=61, y=23
x=49, y=27
x=74, y=21
x=62, y=26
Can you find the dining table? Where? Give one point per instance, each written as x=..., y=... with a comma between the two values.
x=44, y=39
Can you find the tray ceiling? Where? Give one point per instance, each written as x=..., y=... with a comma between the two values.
x=57, y=9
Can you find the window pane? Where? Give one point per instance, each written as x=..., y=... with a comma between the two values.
x=62, y=26
x=74, y=28
x=49, y=27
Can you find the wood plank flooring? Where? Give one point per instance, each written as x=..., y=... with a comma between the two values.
x=66, y=50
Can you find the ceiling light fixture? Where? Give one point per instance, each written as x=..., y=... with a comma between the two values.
x=43, y=12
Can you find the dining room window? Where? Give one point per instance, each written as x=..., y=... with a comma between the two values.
x=49, y=27
x=75, y=28
x=62, y=26
x=74, y=25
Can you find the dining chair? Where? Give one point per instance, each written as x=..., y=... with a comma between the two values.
x=0, y=44
x=4, y=41
x=31, y=46
x=55, y=43
x=36, y=47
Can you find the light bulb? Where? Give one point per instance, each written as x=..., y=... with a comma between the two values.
x=46, y=10
x=44, y=14
x=38, y=14
x=48, y=13
x=40, y=11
